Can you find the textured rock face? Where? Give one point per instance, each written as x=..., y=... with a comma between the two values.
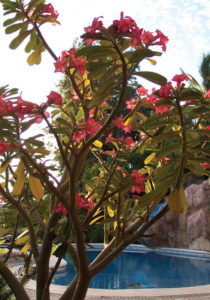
x=189, y=230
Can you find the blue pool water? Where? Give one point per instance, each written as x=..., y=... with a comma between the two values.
x=144, y=270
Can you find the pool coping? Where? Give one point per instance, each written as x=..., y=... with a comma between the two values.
x=194, y=292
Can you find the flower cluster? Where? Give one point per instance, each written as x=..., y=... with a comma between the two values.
x=49, y=11
x=127, y=26
x=6, y=146
x=138, y=179
x=89, y=128
x=166, y=91
x=68, y=59
x=80, y=203
x=139, y=35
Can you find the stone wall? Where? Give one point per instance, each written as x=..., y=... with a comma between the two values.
x=190, y=230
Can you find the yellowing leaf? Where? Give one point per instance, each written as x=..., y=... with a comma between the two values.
x=22, y=240
x=25, y=248
x=5, y=231
x=149, y=158
x=35, y=57
x=152, y=61
x=98, y=144
x=110, y=211
x=127, y=121
x=177, y=201
x=115, y=224
x=95, y=220
x=2, y=169
x=18, y=186
x=148, y=187
x=86, y=83
x=36, y=187
x=142, y=116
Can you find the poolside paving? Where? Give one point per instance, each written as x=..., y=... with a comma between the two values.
x=194, y=293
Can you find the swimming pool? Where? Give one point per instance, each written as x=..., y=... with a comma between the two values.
x=142, y=268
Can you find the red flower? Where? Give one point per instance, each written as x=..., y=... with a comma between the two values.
x=129, y=143
x=50, y=11
x=119, y=122
x=205, y=165
x=60, y=209
x=60, y=66
x=165, y=90
x=54, y=98
x=108, y=139
x=163, y=40
x=6, y=146
x=131, y=104
x=207, y=95
x=138, y=178
x=125, y=24
x=91, y=126
x=78, y=136
x=96, y=25
x=147, y=37
x=142, y=91
x=180, y=78
x=162, y=109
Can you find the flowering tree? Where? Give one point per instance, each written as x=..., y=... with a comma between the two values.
x=58, y=212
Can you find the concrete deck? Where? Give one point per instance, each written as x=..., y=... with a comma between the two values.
x=194, y=293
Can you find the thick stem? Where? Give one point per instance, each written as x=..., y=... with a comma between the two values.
x=13, y=283
x=44, y=258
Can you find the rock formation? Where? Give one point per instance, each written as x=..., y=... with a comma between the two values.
x=190, y=230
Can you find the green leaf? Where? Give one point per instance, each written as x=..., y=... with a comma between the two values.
x=153, y=77
x=95, y=52
x=139, y=55
x=19, y=39
x=188, y=93
x=14, y=28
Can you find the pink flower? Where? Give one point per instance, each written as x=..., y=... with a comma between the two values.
x=50, y=12
x=125, y=24
x=79, y=63
x=112, y=153
x=96, y=25
x=6, y=146
x=131, y=104
x=108, y=139
x=147, y=37
x=78, y=136
x=142, y=91
x=163, y=40
x=207, y=95
x=83, y=203
x=54, y=98
x=127, y=128
x=138, y=179
x=88, y=41
x=6, y=107
x=162, y=109
x=60, y=66
x=205, y=165
x=60, y=209
x=129, y=143
x=180, y=78
x=91, y=126
x=165, y=90
x=119, y=122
